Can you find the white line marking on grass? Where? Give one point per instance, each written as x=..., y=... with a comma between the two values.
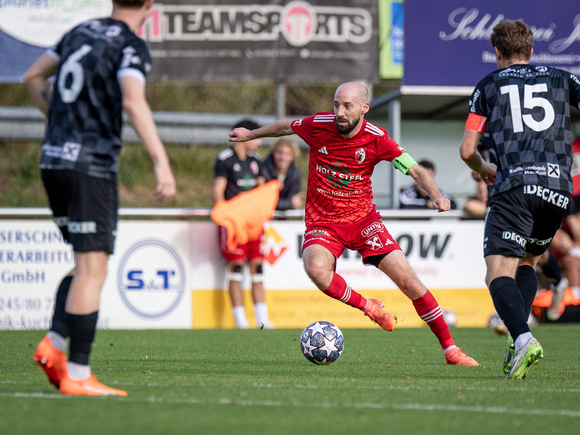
x=278, y=404
x=33, y=395
x=365, y=387
x=204, y=384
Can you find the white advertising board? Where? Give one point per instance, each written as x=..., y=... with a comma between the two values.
x=158, y=265
x=146, y=287
x=444, y=254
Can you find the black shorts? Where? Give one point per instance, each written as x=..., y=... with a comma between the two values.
x=523, y=219
x=85, y=208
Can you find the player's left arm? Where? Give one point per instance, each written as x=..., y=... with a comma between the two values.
x=36, y=78
x=137, y=108
x=468, y=149
x=424, y=179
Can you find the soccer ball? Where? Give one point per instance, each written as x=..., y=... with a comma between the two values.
x=322, y=342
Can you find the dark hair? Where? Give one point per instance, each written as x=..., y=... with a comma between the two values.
x=129, y=3
x=247, y=123
x=427, y=164
x=513, y=39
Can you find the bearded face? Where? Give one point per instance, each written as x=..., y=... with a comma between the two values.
x=350, y=105
x=344, y=126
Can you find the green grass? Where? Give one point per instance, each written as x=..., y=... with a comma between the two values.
x=193, y=167
x=257, y=382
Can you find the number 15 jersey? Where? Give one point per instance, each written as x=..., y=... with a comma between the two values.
x=85, y=117
x=526, y=109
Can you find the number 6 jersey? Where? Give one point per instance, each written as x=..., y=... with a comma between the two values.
x=526, y=109
x=85, y=118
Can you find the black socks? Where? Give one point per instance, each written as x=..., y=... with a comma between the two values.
x=59, y=324
x=82, y=334
x=509, y=304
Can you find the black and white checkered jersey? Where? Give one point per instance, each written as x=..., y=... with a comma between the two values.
x=528, y=117
x=242, y=175
x=85, y=117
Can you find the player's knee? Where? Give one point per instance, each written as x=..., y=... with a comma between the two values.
x=315, y=265
x=258, y=275
x=235, y=273
x=320, y=276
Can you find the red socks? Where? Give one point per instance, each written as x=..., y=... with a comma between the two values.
x=338, y=289
x=428, y=309
x=426, y=306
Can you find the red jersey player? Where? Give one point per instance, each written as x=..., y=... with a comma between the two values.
x=340, y=214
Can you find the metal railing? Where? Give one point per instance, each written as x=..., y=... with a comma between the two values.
x=28, y=124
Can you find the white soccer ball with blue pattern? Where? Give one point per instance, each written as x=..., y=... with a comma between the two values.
x=322, y=342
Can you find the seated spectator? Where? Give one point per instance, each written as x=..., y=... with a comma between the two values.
x=476, y=205
x=280, y=165
x=414, y=197
x=572, y=222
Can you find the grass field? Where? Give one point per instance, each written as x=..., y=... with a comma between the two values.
x=258, y=382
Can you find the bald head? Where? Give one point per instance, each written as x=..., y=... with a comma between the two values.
x=351, y=102
x=353, y=91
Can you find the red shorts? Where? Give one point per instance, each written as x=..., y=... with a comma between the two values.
x=369, y=237
x=248, y=251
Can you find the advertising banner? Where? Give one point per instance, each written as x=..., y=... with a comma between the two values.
x=391, y=38
x=28, y=28
x=169, y=274
x=197, y=40
x=447, y=43
x=147, y=284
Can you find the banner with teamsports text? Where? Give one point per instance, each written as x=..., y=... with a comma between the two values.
x=214, y=40
x=169, y=274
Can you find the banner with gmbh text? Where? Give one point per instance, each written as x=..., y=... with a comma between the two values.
x=169, y=274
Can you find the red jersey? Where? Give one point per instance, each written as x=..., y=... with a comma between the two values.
x=576, y=166
x=339, y=174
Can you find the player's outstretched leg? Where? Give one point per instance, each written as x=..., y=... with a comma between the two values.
x=430, y=312
x=372, y=308
x=375, y=311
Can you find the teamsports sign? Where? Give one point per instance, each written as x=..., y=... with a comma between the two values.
x=281, y=40
x=315, y=40
x=447, y=42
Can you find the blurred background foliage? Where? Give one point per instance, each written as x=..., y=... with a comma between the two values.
x=193, y=165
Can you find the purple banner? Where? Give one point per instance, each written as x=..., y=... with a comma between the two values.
x=447, y=42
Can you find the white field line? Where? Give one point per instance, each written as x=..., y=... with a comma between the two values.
x=318, y=404
x=522, y=388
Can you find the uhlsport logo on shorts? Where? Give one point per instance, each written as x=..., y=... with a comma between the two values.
x=151, y=279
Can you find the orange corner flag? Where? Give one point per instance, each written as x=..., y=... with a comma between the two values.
x=244, y=215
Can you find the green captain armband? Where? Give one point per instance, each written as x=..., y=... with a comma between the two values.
x=404, y=162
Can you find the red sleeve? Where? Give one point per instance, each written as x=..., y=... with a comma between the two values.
x=476, y=122
x=388, y=149
x=303, y=128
